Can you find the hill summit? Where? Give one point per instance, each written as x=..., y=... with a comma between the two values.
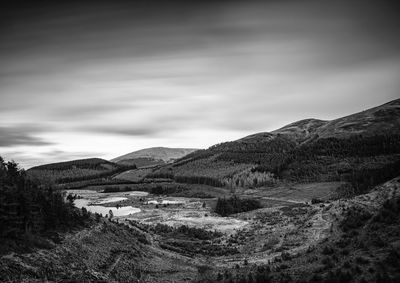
x=153, y=156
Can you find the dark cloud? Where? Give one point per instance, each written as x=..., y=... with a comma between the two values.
x=91, y=110
x=21, y=135
x=154, y=126
x=126, y=131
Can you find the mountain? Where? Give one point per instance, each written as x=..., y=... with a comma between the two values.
x=348, y=148
x=384, y=119
x=153, y=156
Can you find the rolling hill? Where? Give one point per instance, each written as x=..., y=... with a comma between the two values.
x=345, y=149
x=384, y=119
x=152, y=156
x=76, y=170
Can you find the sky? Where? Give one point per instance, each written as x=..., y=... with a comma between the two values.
x=101, y=80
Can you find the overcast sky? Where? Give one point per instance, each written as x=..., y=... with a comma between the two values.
x=81, y=81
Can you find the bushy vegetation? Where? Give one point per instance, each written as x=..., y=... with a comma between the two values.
x=188, y=232
x=28, y=208
x=191, y=241
x=247, y=274
x=389, y=213
x=355, y=217
x=165, y=190
x=232, y=205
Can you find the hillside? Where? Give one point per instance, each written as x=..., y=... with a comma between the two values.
x=344, y=149
x=152, y=156
x=384, y=119
x=76, y=170
x=288, y=236
x=360, y=243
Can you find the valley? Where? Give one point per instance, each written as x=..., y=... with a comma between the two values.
x=299, y=204
x=286, y=223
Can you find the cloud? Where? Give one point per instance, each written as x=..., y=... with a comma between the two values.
x=96, y=77
x=21, y=135
x=126, y=131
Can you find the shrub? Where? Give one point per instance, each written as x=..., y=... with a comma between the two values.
x=354, y=218
x=327, y=250
x=234, y=204
x=362, y=260
x=316, y=200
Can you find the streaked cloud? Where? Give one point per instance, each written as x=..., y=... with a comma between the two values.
x=21, y=135
x=114, y=77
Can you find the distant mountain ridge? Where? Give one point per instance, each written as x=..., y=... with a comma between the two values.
x=153, y=156
x=378, y=120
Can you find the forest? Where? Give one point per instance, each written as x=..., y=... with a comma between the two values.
x=29, y=210
x=363, y=161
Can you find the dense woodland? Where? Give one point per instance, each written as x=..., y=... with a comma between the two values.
x=263, y=160
x=363, y=161
x=28, y=208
